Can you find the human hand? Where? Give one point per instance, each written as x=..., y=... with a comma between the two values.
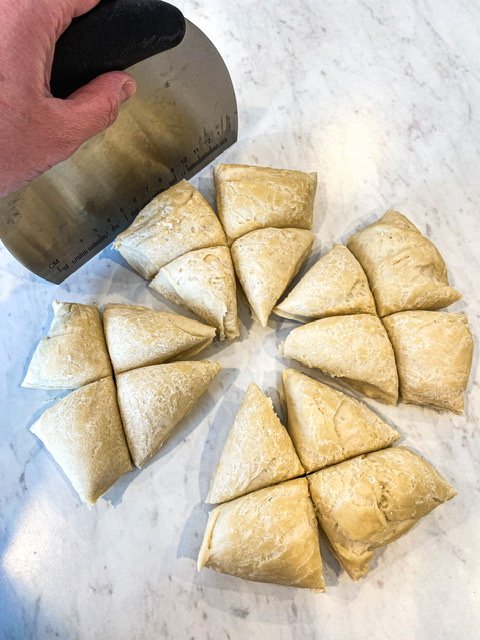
x=37, y=130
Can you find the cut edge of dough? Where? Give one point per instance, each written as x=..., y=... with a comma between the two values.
x=204, y=553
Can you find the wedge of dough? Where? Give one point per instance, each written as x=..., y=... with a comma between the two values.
x=335, y=285
x=84, y=434
x=258, y=451
x=176, y=221
x=355, y=348
x=266, y=261
x=372, y=500
x=327, y=426
x=251, y=198
x=405, y=269
x=204, y=282
x=138, y=336
x=154, y=399
x=73, y=353
x=434, y=351
x=269, y=535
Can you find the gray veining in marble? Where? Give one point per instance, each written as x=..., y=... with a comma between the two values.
x=383, y=101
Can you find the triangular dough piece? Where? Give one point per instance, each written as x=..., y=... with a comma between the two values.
x=405, y=269
x=203, y=281
x=73, y=353
x=355, y=348
x=266, y=261
x=372, y=500
x=258, y=451
x=251, y=198
x=327, y=426
x=138, y=337
x=154, y=399
x=434, y=351
x=269, y=535
x=176, y=221
x=84, y=434
x=335, y=285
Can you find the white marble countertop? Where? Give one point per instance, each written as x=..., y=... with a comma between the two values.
x=383, y=101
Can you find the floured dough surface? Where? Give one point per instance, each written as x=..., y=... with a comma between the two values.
x=270, y=535
x=266, y=261
x=258, y=451
x=204, y=282
x=434, y=351
x=175, y=222
x=355, y=348
x=73, y=353
x=138, y=336
x=250, y=197
x=405, y=269
x=328, y=426
x=84, y=434
x=154, y=399
x=335, y=285
x=369, y=501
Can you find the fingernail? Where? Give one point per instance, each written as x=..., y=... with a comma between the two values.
x=128, y=89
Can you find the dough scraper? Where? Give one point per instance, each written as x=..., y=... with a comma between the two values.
x=183, y=115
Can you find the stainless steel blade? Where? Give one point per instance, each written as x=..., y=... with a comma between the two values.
x=183, y=116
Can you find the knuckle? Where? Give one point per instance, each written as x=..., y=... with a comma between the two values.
x=111, y=111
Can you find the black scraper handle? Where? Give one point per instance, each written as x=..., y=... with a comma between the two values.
x=113, y=36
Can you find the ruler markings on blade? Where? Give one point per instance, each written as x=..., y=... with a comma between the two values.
x=182, y=117
x=101, y=236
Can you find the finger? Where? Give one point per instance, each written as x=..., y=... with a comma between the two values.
x=55, y=130
x=62, y=15
x=72, y=9
x=94, y=107
x=79, y=7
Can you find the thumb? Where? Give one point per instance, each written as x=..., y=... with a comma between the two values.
x=94, y=107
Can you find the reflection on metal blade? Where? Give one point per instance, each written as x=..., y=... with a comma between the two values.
x=183, y=116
